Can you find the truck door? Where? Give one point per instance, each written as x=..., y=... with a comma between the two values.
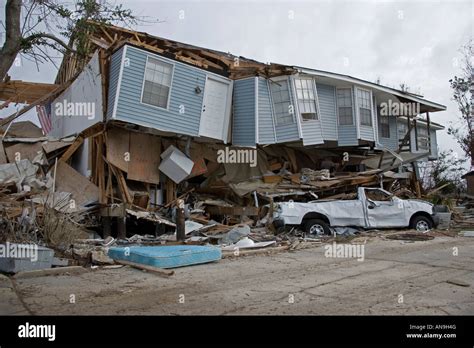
x=382, y=210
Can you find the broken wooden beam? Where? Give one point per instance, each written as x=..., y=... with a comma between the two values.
x=156, y=270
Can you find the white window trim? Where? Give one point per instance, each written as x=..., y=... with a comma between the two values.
x=316, y=99
x=370, y=107
x=171, y=83
x=277, y=80
x=119, y=82
x=352, y=103
x=272, y=110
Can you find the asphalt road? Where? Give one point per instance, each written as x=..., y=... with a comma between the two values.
x=394, y=278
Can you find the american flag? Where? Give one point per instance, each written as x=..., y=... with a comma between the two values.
x=44, y=115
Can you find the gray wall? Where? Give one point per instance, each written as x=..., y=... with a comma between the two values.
x=266, y=127
x=327, y=107
x=243, y=123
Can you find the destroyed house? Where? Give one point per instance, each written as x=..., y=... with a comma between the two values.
x=143, y=120
x=181, y=90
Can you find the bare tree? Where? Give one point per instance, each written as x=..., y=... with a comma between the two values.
x=463, y=93
x=35, y=27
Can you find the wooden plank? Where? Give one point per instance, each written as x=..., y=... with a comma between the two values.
x=145, y=150
x=122, y=185
x=118, y=147
x=69, y=180
x=52, y=146
x=22, y=151
x=69, y=152
x=3, y=157
x=156, y=270
x=170, y=191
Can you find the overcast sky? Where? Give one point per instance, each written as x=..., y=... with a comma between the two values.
x=412, y=42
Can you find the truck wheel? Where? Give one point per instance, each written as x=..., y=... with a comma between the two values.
x=317, y=227
x=421, y=223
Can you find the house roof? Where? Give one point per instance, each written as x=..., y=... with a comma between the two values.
x=428, y=105
x=110, y=38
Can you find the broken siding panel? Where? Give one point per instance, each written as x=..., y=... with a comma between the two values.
x=266, y=129
x=114, y=74
x=182, y=95
x=327, y=107
x=243, y=126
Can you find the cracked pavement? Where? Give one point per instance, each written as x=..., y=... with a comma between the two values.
x=395, y=278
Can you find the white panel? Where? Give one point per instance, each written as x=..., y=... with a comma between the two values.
x=214, y=109
x=87, y=88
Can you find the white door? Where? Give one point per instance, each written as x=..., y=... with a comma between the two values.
x=383, y=211
x=214, y=109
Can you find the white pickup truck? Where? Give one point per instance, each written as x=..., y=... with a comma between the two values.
x=373, y=208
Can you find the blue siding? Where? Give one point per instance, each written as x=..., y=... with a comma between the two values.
x=266, y=130
x=243, y=125
x=114, y=73
x=288, y=132
x=392, y=142
x=327, y=107
x=311, y=132
x=185, y=80
x=366, y=133
x=347, y=134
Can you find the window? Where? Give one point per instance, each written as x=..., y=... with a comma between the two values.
x=385, y=126
x=156, y=89
x=344, y=106
x=281, y=102
x=402, y=128
x=365, y=112
x=422, y=136
x=377, y=195
x=306, y=99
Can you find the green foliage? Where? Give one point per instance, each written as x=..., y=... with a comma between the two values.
x=447, y=170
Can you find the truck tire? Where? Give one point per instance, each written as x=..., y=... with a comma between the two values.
x=421, y=223
x=316, y=228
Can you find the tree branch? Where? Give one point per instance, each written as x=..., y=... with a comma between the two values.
x=11, y=46
x=34, y=38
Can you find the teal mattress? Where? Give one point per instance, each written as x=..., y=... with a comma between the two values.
x=167, y=256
